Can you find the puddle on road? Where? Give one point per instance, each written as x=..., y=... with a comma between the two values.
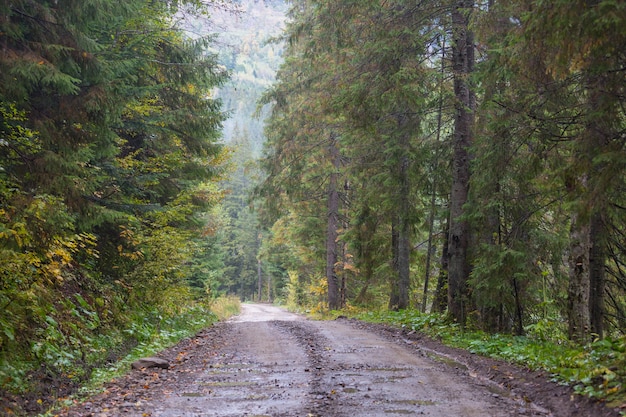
x=448, y=361
x=257, y=397
x=229, y=384
x=192, y=394
x=228, y=366
x=387, y=369
x=415, y=402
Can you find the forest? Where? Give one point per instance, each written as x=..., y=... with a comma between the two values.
x=458, y=158
x=110, y=164
x=454, y=156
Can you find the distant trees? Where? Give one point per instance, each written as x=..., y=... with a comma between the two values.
x=515, y=106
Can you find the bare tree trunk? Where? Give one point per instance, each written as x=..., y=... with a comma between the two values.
x=334, y=299
x=597, y=274
x=260, y=282
x=597, y=136
x=463, y=66
x=588, y=244
x=404, y=238
x=394, y=290
x=440, y=300
x=433, y=196
x=578, y=291
x=431, y=226
x=367, y=228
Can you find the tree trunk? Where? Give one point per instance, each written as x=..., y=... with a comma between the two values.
x=404, y=238
x=334, y=299
x=596, y=134
x=260, y=279
x=463, y=65
x=578, y=291
x=587, y=270
x=394, y=290
x=597, y=274
x=433, y=201
x=367, y=227
x=519, y=310
x=431, y=226
x=433, y=195
x=440, y=300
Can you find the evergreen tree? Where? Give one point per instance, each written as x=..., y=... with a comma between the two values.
x=107, y=157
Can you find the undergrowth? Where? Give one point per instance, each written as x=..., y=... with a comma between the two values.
x=170, y=332
x=95, y=360
x=597, y=370
x=226, y=307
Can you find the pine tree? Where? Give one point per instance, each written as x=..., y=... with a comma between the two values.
x=111, y=147
x=459, y=240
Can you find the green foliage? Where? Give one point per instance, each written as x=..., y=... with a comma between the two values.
x=149, y=337
x=109, y=168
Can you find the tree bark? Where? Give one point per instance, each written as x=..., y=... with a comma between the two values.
x=433, y=196
x=431, y=226
x=463, y=65
x=597, y=273
x=440, y=299
x=588, y=274
x=596, y=134
x=334, y=299
x=578, y=290
x=394, y=290
x=404, y=238
x=260, y=280
x=367, y=227
x=402, y=246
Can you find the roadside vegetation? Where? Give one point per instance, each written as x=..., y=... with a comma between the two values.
x=597, y=370
x=71, y=372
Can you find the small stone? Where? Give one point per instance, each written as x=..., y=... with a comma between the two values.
x=150, y=362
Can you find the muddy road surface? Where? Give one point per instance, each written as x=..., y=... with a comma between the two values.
x=268, y=362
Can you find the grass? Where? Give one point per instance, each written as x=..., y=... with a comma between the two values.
x=170, y=332
x=226, y=307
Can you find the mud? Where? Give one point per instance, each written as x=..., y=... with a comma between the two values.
x=268, y=362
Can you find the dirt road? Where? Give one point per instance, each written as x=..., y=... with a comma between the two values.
x=267, y=362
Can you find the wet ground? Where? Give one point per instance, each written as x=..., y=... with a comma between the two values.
x=268, y=362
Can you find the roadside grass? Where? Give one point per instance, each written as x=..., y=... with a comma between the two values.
x=171, y=332
x=597, y=370
x=153, y=339
x=226, y=307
